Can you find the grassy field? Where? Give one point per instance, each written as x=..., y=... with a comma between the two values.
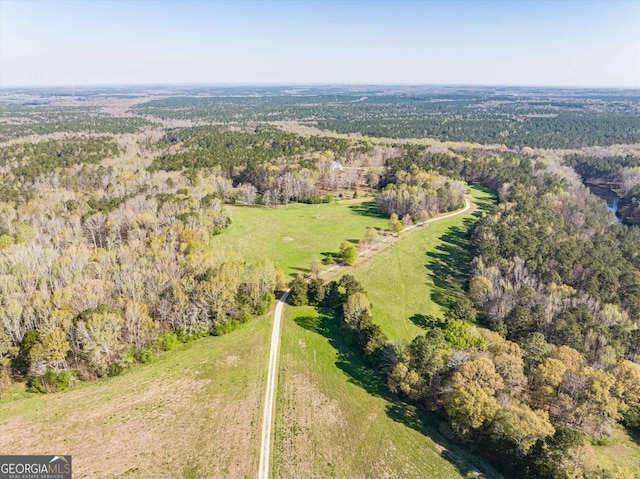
x=334, y=418
x=292, y=235
x=193, y=413
x=623, y=450
x=418, y=274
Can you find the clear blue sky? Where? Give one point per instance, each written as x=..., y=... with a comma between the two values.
x=561, y=43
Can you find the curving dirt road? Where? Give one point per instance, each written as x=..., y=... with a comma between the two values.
x=269, y=400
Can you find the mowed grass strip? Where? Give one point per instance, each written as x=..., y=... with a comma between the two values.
x=194, y=412
x=335, y=420
x=292, y=235
x=419, y=274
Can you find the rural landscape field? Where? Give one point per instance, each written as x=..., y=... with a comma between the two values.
x=315, y=240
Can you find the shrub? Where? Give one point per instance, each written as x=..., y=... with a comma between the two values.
x=50, y=382
x=169, y=341
x=186, y=334
x=145, y=356
x=265, y=304
x=348, y=253
x=224, y=327
x=129, y=358
x=328, y=260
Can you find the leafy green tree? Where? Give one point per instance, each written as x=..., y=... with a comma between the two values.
x=479, y=372
x=470, y=407
x=7, y=349
x=6, y=241
x=348, y=253
x=357, y=311
x=459, y=334
x=628, y=375
x=429, y=354
x=50, y=351
x=521, y=425
x=546, y=455
x=298, y=291
x=534, y=349
x=316, y=291
x=349, y=285
x=24, y=233
x=479, y=288
x=405, y=380
x=22, y=362
x=547, y=377
x=462, y=309
x=372, y=340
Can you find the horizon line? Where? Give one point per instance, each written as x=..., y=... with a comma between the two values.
x=312, y=84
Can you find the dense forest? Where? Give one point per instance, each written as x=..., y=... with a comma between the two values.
x=512, y=118
x=41, y=118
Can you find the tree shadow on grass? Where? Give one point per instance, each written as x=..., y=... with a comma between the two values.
x=416, y=417
x=300, y=270
x=427, y=423
x=485, y=204
x=634, y=434
x=367, y=208
x=426, y=321
x=311, y=323
x=448, y=265
x=349, y=360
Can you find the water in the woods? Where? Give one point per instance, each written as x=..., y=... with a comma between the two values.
x=610, y=196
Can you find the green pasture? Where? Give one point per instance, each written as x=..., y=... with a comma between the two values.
x=292, y=235
x=334, y=418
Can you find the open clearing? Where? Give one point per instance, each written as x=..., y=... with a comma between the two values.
x=334, y=418
x=417, y=275
x=292, y=235
x=194, y=412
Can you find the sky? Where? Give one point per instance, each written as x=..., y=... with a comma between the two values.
x=531, y=43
